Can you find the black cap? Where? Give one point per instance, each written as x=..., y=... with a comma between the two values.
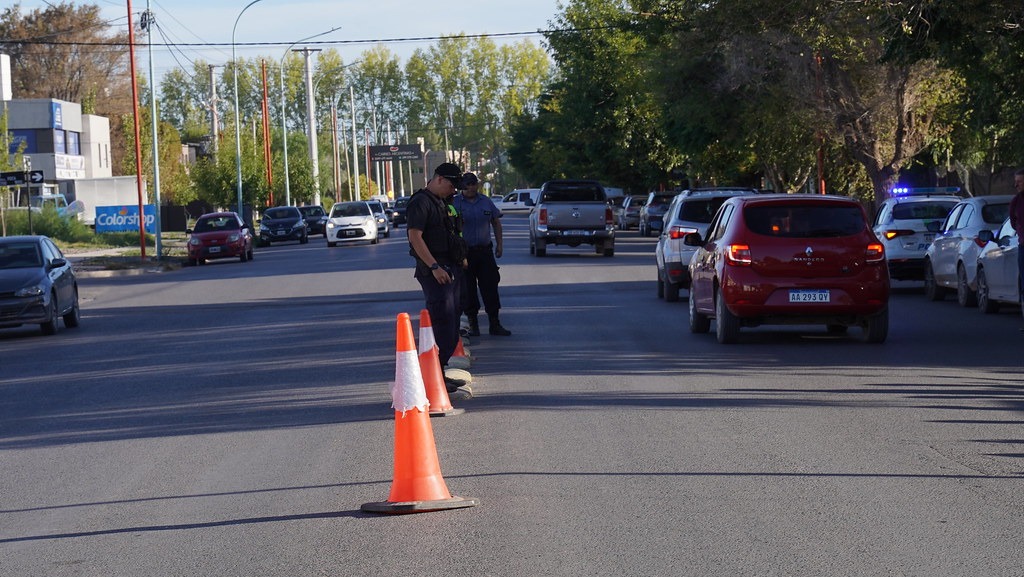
x=450, y=171
x=469, y=178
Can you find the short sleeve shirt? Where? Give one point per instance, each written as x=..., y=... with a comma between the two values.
x=427, y=213
x=476, y=218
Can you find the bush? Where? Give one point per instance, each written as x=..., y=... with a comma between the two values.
x=48, y=223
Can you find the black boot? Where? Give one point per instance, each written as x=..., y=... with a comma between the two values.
x=474, y=326
x=496, y=328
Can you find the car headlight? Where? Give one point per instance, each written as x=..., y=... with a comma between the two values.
x=30, y=291
x=234, y=237
x=330, y=224
x=195, y=241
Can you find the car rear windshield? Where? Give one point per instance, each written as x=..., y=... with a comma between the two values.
x=700, y=210
x=312, y=210
x=805, y=221
x=995, y=213
x=20, y=256
x=350, y=209
x=216, y=223
x=573, y=192
x=922, y=210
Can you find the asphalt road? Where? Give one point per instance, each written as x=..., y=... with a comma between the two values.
x=230, y=419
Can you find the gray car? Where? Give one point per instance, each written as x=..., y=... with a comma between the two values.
x=380, y=213
x=37, y=284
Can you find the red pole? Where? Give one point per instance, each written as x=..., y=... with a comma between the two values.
x=138, y=143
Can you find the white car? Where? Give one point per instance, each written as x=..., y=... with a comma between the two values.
x=519, y=200
x=351, y=221
x=690, y=211
x=907, y=225
x=380, y=212
x=997, y=276
x=951, y=260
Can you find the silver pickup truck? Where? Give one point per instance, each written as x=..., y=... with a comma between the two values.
x=571, y=213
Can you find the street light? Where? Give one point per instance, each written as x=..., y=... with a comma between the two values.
x=284, y=116
x=238, y=128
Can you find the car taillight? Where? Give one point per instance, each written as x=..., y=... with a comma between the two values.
x=608, y=216
x=875, y=252
x=677, y=232
x=738, y=255
x=891, y=234
x=979, y=242
x=542, y=218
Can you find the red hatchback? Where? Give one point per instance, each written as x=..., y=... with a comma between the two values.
x=789, y=259
x=219, y=235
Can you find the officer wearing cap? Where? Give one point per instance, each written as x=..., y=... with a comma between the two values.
x=479, y=217
x=438, y=269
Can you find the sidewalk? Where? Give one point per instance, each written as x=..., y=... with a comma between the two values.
x=109, y=262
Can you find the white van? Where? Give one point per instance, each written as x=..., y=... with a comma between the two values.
x=520, y=200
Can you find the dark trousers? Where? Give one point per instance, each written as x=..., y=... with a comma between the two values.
x=481, y=274
x=443, y=305
x=1020, y=268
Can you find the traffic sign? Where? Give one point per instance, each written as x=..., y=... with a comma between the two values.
x=18, y=178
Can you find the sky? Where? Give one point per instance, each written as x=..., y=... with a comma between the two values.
x=281, y=22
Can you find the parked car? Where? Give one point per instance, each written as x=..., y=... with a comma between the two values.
x=398, y=213
x=653, y=210
x=316, y=219
x=951, y=260
x=219, y=235
x=351, y=221
x=628, y=216
x=907, y=225
x=37, y=284
x=690, y=211
x=789, y=259
x=283, y=223
x=519, y=200
x=381, y=216
x=997, y=274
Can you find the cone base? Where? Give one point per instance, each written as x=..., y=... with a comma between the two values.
x=407, y=507
x=446, y=413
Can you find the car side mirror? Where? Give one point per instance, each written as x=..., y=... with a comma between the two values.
x=934, y=226
x=188, y=231
x=986, y=236
x=693, y=239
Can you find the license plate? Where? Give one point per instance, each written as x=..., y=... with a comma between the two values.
x=214, y=249
x=809, y=296
x=350, y=233
x=280, y=232
x=576, y=233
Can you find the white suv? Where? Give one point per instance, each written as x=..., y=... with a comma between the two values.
x=690, y=211
x=906, y=225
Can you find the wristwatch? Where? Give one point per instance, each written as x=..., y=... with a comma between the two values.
x=435, y=266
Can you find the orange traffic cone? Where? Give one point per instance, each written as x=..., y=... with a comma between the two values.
x=430, y=367
x=417, y=485
x=460, y=359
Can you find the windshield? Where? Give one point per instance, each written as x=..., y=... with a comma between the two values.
x=215, y=223
x=350, y=209
x=20, y=255
x=312, y=210
x=922, y=210
x=278, y=213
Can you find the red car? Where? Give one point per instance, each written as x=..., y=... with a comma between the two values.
x=219, y=235
x=789, y=259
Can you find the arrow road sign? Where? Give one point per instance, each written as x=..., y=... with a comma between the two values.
x=17, y=178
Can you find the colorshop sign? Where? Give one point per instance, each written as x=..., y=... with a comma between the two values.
x=124, y=218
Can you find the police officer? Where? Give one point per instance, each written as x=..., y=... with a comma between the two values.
x=479, y=217
x=430, y=231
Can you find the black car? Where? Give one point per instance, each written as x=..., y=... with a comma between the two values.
x=316, y=219
x=37, y=284
x=398, y=211
x=283, y=223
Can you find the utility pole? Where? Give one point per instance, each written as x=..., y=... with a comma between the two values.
x=311, y=119
x=214, y=122
x=355, y=147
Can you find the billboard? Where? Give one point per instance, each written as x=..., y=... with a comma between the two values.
x=124, y=218
x=396, y=152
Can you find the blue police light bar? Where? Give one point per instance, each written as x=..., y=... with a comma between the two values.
x=924, y=191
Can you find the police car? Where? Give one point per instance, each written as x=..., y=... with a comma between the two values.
x=907, y=223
